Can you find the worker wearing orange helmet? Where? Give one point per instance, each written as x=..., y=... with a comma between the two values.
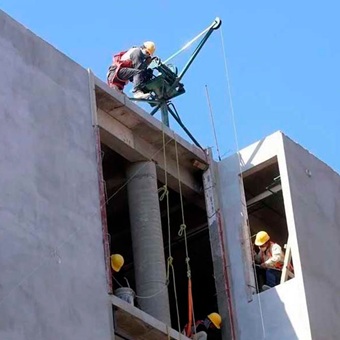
x=203, y=327
x=270, y=258
x=131, y=65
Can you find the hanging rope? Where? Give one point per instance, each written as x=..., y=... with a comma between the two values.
x=212, y=122
x=165, y=194
x=182, y=232
x=239, y=157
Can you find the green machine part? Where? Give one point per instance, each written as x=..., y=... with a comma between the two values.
x=164, y=82
x=164, y=85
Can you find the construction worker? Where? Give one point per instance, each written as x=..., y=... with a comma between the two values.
x=270, y=259
x=117, y=262
x=132, y=66
x=203, y=327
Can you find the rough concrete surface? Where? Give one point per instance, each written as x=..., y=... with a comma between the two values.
x=52, y=283
x=315, y=191
x=281, y=312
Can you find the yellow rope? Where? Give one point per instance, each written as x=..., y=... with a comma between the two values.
x=165, y=194
x=183, y=227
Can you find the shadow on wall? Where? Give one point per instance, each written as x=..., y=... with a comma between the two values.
x=271, y=314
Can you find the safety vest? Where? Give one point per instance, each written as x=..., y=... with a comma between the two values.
x=268, y=253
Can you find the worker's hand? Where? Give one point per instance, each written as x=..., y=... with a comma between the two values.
x=263, y=265
x=148, y=61
x=155, y=58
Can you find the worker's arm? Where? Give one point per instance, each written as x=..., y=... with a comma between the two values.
x=257, y=256
x=276, y=256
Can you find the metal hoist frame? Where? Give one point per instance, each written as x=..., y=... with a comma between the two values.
x=167, y=85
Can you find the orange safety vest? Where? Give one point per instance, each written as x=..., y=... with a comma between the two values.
x=268, y=252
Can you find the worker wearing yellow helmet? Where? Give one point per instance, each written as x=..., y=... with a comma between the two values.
x=117, y=262
x=270, y=260
x=132, y=65
x=204, y=327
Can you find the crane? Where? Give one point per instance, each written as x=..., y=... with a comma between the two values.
x=167, y=84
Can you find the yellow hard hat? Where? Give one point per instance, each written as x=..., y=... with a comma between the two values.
x=261, y=238
x=117, y=262
x=216, y=319
x=150, y=47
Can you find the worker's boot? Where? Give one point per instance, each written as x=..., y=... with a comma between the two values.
x=141, y=95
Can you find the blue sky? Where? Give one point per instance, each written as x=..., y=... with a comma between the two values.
x=283, y=60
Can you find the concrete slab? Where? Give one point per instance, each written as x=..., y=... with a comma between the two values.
x=280, y=312
x=133, y=323
x=137, y=136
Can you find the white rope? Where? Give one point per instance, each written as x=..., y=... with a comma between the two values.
x=238, y=153
x=153, y=295
x=212, y=122
x=186, y=45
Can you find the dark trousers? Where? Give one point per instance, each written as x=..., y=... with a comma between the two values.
x=273, y=277
x=269, y=277
x=126, y=73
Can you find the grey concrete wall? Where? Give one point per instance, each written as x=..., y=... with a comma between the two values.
x=315, y=192
x=52, y=282
x=281, y=312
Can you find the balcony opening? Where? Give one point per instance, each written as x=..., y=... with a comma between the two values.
x=119, y=236
x=266, y=213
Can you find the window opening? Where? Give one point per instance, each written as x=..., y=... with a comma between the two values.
x=268, y=225
x=119, y=233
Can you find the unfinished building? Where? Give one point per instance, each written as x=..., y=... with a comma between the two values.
x=86, y=173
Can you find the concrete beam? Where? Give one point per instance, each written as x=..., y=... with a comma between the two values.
x=264, y=195
x=133, y=323
x=134, y=148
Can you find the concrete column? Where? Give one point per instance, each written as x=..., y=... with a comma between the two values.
x=147, y=240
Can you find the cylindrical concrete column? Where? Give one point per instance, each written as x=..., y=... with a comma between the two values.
x=147, y=240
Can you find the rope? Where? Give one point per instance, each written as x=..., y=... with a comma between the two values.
x=135, y=174
x=238, y=154
x=212, y=122
x=153, y=295
x=175, y=293
x=186, y=45
x=165, y=194
x=182, y=232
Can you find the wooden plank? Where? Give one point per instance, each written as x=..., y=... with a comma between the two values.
x=133, y=323
x=287, y=260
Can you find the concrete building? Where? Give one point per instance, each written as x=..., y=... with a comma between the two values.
x=82, y=172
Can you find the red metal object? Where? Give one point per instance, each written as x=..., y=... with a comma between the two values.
x=190, y=303
x=102, y=200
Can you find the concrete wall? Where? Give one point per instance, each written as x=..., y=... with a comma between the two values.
x=52, y=282
x=281, y=312
x=315, y=193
